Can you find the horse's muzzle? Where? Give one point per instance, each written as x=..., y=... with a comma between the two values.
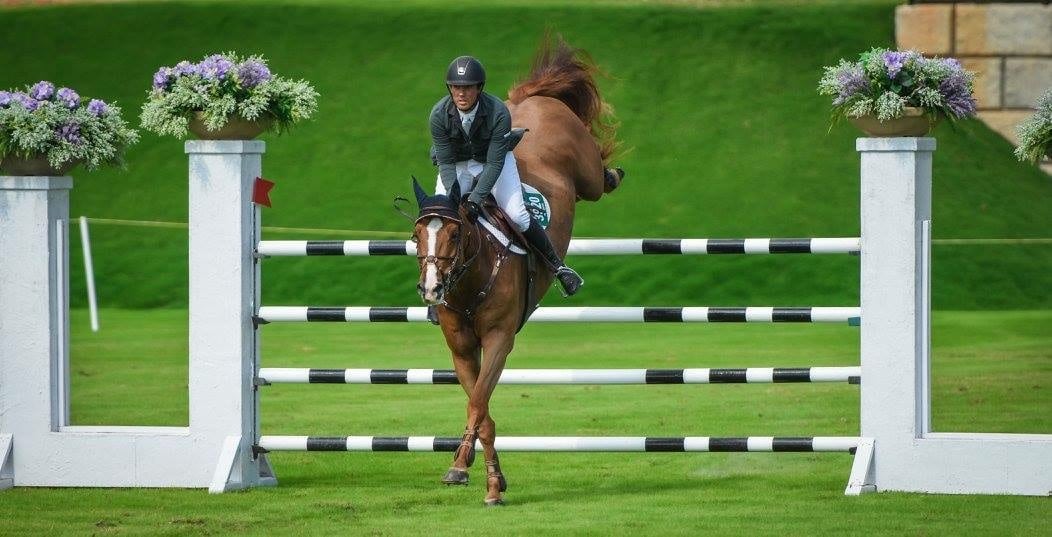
x=431, y=297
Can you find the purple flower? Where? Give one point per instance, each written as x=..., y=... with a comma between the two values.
x=215, y=67
x=68, y=97
x=26, y=101
x=42, y=90
x=5, y=98
x=253, y=73
x=185, y=68
x=895, y=61
x=852, y=81
x=69, y=132
x=162, y=78
x=98, y=107
x=959, y=100
x=952, y=63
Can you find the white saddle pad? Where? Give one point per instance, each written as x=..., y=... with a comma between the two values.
x=501, y=237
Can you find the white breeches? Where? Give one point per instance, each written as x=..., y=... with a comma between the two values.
x=507, y=191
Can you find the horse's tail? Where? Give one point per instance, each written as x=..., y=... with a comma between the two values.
x=568, y=74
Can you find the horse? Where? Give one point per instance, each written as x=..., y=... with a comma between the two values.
x=479, y=287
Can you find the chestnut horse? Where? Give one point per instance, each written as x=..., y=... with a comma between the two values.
x=478, y=286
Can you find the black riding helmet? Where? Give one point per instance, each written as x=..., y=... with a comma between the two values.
x=465, y=71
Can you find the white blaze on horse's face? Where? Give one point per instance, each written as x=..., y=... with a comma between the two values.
x=432, y=292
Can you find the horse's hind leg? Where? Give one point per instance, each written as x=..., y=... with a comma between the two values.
x=495, y=482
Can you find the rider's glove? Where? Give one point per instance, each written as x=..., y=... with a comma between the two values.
x=472, y=209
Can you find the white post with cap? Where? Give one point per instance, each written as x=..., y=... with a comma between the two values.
x=38, y=446
x=896, y=346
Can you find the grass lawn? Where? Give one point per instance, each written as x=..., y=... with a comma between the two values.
x=726, y=138
x=992, y=372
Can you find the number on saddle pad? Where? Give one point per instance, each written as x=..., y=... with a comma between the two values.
x=537, y=205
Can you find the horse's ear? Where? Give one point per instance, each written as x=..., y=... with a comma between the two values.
x=418, y=190
x=454, y=193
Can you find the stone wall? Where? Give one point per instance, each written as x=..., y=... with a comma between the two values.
x=1007, y=45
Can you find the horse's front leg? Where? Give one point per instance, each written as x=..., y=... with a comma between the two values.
x=467, y=366
x=464, y=345
x=497, y=346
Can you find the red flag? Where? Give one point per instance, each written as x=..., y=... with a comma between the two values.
x=261, y=191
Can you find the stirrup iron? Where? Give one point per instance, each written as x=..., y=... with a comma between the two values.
x=575, y=283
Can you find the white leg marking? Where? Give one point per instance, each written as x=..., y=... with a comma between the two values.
x=431, y=272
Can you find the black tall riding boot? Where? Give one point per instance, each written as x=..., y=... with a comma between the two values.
x=571, y=281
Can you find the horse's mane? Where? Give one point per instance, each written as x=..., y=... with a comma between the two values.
x=568, y=74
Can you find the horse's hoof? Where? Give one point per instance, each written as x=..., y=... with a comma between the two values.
x=612, y=178
x=497, y=502
x=455, y=476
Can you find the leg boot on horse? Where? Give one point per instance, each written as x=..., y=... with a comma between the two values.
x=495, y=482
x=463, y=458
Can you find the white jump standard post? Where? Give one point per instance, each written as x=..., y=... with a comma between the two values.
x=224, y=294
x=34, y=323
x=896, y=344
x=38, y=447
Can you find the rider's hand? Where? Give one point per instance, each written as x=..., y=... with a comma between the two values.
x=472, y=209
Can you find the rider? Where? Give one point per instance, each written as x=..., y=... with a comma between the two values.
x=470, y=130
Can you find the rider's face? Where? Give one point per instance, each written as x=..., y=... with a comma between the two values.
x=464, y=96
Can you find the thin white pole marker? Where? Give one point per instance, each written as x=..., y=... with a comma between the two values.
x=89, y=274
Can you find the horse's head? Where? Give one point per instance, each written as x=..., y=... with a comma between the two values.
x=439, y=249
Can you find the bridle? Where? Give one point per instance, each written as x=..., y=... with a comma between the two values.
x=459, y=262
